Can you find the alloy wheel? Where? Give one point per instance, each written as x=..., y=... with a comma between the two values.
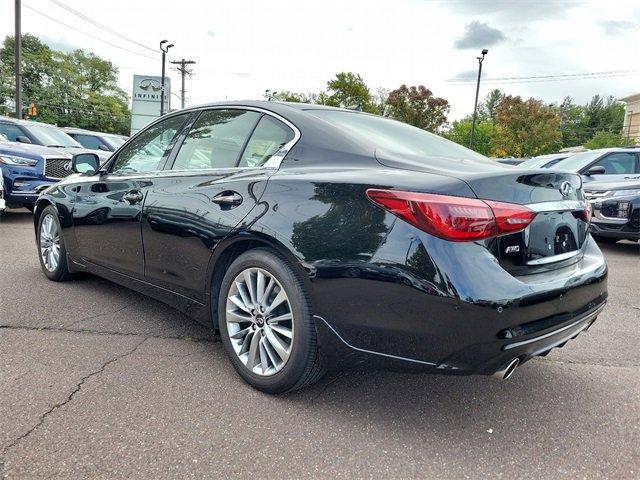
x=259, y=321
x=49, y=243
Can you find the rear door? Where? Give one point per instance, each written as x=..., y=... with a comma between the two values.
x=617, y=165
x=214, y=178
x=108, y=207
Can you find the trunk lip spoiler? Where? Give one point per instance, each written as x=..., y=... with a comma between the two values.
x=557, y=206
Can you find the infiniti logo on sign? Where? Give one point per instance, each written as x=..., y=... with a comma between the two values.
x=566, y=189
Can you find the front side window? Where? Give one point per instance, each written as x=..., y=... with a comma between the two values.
x=88, y=141
x=216, y=139
x=148, y=151
x=269, y=136
x=620, y=163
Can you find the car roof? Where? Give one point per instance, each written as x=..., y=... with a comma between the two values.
x=80, y=130
x=277, y=107
x=25, y=122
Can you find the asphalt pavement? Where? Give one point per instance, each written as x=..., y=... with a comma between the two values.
x=97, y=381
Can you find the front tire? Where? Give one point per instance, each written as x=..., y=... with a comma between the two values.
x=266, y=323
x=51, y=250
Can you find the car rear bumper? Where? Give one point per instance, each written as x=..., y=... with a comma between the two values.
x=463, y=313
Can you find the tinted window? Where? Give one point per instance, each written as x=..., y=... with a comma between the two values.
x=618, y=163
x=147, y=152
x=390, y=135
x=267, y=139
x=216, y=139
x=11, y=131
x=88, y=141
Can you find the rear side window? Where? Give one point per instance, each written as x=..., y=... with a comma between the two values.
x=267, y=139
x=216, y=140
x=11, y=131
x=620, y=163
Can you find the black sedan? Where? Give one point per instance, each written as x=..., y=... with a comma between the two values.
x=313, y=237
x=616, y=210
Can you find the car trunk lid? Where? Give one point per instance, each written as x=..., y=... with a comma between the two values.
x=560, y=227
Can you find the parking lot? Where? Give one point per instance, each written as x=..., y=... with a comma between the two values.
x=101, y=382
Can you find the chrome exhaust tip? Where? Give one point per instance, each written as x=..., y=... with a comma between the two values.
x=507, y=370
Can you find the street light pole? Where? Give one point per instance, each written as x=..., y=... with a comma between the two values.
x=475, y=105
x=164, y=51
x=18, y=58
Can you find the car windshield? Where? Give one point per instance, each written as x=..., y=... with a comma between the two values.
x=542, y=161
x=51, y=136
x=393, y=136
x=114, y=140
x=577, y=161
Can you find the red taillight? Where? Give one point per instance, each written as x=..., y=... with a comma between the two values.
x=454, y=218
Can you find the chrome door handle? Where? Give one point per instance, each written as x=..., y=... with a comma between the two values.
x=228, y=199
x=132, y=197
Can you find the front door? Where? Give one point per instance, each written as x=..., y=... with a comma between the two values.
x=108, y=207
x=214, y=179
x=617, y=166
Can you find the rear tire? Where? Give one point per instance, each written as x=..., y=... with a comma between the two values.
x=266, y=324
x=51, y=250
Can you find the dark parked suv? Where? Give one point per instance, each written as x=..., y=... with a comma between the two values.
x=616, y=210
x=312, y=236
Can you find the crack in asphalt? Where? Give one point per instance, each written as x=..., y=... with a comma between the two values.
x=98, y=315
x=122, y=334
x=70, y=397
x=589, y=364
x=335, y=379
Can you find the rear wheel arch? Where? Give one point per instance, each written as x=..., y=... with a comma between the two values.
x=37, y=211
x=232, y=248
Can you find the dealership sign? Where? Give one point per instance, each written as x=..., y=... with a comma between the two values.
x=145, y=100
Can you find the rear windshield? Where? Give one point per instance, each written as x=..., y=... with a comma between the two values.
x=393, y=136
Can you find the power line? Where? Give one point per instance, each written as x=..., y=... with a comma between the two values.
x=551, y=78
x=87, y=34
x=100, y=25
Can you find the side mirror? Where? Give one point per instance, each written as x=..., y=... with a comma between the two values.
x=86, y=163
x=23, y=139
x=596, y=171
x=103, y=147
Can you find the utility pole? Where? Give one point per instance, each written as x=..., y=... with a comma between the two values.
x=164, y=51
x=18, y=58
x=475, y=105
x=184, y=71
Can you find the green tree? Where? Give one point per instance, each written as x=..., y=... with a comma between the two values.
x=460, y=132
x=573, y=123
x=348, y=89
x=488, y=107
x=418, y=107
x=605, y=139
x=604, y=114
x=525, y=128
x=77, y=89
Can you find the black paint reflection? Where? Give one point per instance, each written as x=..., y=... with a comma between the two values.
x=349, y=229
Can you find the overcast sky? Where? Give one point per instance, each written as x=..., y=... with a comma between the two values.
x=244, y=47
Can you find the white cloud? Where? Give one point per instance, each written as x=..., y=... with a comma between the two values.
x=293, y=45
